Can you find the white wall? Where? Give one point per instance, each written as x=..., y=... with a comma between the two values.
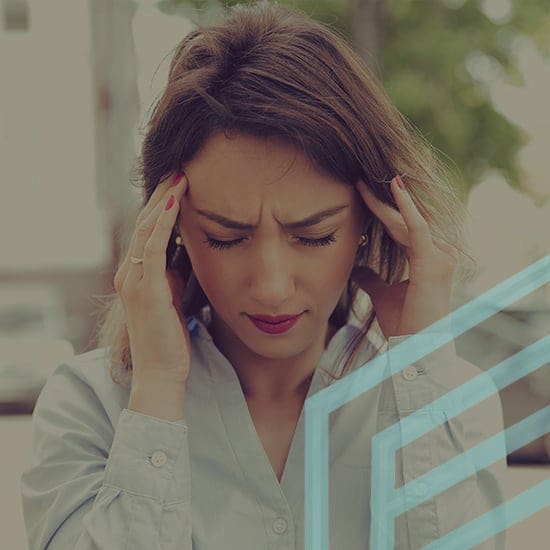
x=48, y=212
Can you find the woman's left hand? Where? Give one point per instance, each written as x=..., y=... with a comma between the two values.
x=411, y=305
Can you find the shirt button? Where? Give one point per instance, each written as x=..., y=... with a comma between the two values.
x=158, y=459
x=410, y=373
x=280, y=525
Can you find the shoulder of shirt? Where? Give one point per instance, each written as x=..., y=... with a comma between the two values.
x=80, y=386
x=91, y=367
x=87, y=358
x=95, y=358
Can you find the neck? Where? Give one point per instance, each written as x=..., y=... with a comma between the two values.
x=270, y=379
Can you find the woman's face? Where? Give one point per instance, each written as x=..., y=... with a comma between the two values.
x=270, y=267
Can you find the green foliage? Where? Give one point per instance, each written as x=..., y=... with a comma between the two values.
x=437, y=61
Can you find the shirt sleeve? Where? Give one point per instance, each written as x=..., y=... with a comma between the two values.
x=90, y=486
x=416, y=387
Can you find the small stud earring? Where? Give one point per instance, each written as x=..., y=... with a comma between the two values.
x=177, y=252
x=363, y=239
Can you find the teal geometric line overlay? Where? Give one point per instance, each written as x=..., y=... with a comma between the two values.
x=470, y=393
x=514, y=510
x=459, y=467
x=418, y=423
x=319, y=406
x=446, y=475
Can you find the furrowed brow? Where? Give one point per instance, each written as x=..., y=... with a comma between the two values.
x=310, y=221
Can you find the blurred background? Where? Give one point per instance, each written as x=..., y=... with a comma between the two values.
x=77, y=80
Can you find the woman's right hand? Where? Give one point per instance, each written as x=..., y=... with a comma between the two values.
x=159, y=339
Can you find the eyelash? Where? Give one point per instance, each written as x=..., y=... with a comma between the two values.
x=323, y=241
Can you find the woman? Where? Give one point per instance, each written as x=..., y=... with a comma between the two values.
x=277, y=181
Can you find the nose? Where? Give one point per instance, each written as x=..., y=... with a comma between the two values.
x=272, y=281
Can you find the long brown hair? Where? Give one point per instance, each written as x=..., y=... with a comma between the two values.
x=272, y=72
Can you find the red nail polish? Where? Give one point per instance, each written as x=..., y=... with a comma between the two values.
x=177, y=179
x=400, y=182
x=170, y=203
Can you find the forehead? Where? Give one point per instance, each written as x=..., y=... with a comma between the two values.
x=241, y=173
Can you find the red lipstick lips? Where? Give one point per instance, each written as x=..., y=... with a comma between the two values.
x=277, y=319
x=274, y=325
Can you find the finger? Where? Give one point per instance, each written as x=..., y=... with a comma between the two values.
x=154, y=201
x=419, y=231
x=154, y=254
x=154, y=263
x=143, y=233
x=157, y=195
x=390, y=217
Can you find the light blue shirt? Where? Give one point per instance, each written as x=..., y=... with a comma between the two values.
x=105, y=477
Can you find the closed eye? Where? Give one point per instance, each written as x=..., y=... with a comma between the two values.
x=323, y=241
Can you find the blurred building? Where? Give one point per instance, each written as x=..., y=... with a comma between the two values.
x=68, y=107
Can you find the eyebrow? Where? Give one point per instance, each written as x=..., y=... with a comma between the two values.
x=310, y=221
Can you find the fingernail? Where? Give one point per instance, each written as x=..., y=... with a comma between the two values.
x=400, y=182
x=178, y=178
x=169, y=203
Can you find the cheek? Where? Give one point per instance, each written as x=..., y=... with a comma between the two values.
x=345, y=255
x=330, y=274
x=343, y=262
x=206, y=268
x=339, y=276
x=210, y=269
